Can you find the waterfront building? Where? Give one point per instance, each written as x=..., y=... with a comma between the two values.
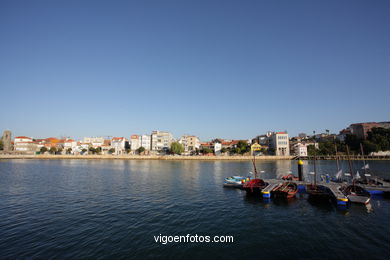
x=300, y=149
x=7, y=135
x=95, y=142
x=217, y=148
x=146, y=142
x=24, y=144
x=262, y=140
x=135, y=142
x=279, y=143
x=70, y=146
x=161, y=140
x=256, y=149
x=120, y=144
x=190, y=143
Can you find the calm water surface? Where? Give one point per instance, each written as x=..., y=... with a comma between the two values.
x=100, y=209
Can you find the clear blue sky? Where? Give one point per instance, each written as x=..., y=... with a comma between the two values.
x=230, y=69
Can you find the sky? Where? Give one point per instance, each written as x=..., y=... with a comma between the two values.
x=227, y=69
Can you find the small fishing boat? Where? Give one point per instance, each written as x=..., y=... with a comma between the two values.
x=285, y=190
x=234, y=181
x=356, y=194
x=317, y=192
x=256, y=185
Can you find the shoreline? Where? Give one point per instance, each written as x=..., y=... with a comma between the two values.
x=142, y=157
x=169, y=157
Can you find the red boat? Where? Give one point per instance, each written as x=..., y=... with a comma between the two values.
x=290, y=177
x=285, y=190
x=254, y=186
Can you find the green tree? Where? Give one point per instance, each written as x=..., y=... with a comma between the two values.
x=243, y=147
x=111, y=151
x=59, y=150
x=223, y=150
x=177, y=148
x=84, y=150
x=53, y=150
x=69, y=151
x=92, y=150
x=206, y=150
x=140, y=150
x=43, y=150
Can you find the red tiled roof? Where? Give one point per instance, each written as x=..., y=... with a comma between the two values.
x=23, y=137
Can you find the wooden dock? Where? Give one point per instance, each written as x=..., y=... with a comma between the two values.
x=334, y=188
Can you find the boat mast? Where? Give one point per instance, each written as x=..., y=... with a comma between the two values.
x=364, y=161
x=350, y=166
x=254, y=166
x=337, y=158
x=315, y=159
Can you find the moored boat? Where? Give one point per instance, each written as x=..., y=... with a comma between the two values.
x=256, y=185
x=356, y=194
x=235, y=181
x=285, y=190
x=318, y=192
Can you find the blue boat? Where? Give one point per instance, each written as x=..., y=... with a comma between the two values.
x=235, y=181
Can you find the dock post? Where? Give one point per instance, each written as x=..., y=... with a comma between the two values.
x=300, y=170
x=342, y=201
x=266, y=194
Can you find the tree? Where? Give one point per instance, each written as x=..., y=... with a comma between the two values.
x=43, y=150
x=84, y=150
x=69, y=151
x=92, y=150
x=243, y=147
x=177, y=148
x=206, y=150
x=53, y=150
x=223, y=150
x=140, y=150
x=111, y=151
x=59, y=150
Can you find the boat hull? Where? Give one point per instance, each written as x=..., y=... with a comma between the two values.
x=286, y=190
x=318, y=192
x=254, y=186
x=356, y=194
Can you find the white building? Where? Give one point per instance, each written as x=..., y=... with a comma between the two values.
x=161, y=140
x=135, y=142
x=119, y=144
x=70, y=144
x=217, y=148
x=94, y=141
x=279, y=142
x=300, y=149
x=24, y=144
x=146, y=142
x=190, y=142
